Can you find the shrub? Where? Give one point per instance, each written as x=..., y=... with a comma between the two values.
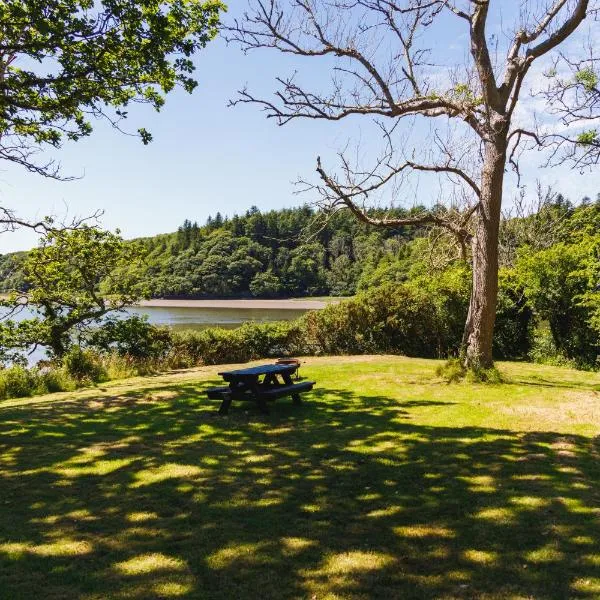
x=84, y=365
x=55, y=380
x=17, y=382
x=133, y=337
x=544, y=350
x=560, y=283
x=452, y=370
x=250, y=341
x=513, y=333
x=119, y=366
x=421, y=319
x=209, y=346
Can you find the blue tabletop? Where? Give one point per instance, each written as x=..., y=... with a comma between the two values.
x=260, y=370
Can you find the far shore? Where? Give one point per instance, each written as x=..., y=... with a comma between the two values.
x=289, y=304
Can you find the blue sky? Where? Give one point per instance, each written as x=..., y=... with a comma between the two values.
x=207, y=157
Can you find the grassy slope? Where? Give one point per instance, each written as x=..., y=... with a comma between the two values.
x=386, y=483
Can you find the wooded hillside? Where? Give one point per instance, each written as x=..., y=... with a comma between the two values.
x=298, y=252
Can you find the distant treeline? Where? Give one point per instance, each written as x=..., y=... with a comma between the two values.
x=300, y=252
x=280, y=253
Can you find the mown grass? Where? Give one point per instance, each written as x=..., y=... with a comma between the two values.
x=386, y=483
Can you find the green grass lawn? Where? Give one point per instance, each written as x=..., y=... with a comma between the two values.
x=386, y=483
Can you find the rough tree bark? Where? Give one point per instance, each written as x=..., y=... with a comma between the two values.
x=479, y=327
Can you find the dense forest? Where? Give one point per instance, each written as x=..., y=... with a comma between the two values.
x=283, y=253
x=300, y=252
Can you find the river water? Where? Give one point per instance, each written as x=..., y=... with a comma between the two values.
x=200, y=318
x=194, y=318
x=185, y=318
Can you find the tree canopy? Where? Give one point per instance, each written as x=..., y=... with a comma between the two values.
x=73, y=279
x=65, y=62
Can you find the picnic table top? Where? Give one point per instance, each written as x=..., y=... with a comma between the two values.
x=270, y=369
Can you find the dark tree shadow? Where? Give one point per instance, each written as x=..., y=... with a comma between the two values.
x=152, y=495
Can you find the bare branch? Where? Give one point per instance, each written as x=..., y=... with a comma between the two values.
x=396, y=91
x=560, y=35
x=9, y=221
x=341, y=196
x=481, y=54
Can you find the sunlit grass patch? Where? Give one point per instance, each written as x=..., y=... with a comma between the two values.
x=356, y=560
x=481, y=483
x=592, y=559
x=546, y=554
x=149, y=563
x=588, y=585
x=164, y=472
x=172, y=589
x=424, y=531
x=529, y=502
x=384, y=512
x=59, y=548
x=224, y=557
x=502, y=515
x=141, y=517
x=294, y=545
x=484, y=557
x=89, y=466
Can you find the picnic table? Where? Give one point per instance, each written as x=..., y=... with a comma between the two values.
x=259, y=384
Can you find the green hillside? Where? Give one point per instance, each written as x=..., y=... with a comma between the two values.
x=299, y=252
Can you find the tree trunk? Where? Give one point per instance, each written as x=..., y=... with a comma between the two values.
x=57, y=342
x=479, y=328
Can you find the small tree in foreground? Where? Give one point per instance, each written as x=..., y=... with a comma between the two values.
x=388, y=63
x=74, y=278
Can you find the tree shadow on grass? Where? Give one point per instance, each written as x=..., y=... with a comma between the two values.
x=571, y=384
x=151, y=495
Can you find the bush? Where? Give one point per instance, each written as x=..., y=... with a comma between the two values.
x=544, y=350
x=119, y=366
x=424, y=318
x=513, y=333
x=84, y=365
x=17, y=382
x=133, y=337
x=250, y=341
x=55, y=380
x=453, y=370
x=560, y=283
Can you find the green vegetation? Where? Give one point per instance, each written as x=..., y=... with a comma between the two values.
x=420, y=318
x=548, y=311
x=72, y=280
x=386, y=483
x=67, y=61
x=588, y=78
x=414, y=302
x=587, y=138
x=293, y=253
x=257, y=255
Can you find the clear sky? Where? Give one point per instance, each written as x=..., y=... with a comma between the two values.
x=206, y=157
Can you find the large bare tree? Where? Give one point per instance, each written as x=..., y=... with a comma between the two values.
x=387, y=63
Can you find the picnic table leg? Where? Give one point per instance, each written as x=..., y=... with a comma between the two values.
x=262, y=405
x=287, y=378
x=260, y=399
x=224, y=408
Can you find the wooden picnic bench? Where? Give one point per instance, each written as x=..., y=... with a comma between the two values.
x=246, y=384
